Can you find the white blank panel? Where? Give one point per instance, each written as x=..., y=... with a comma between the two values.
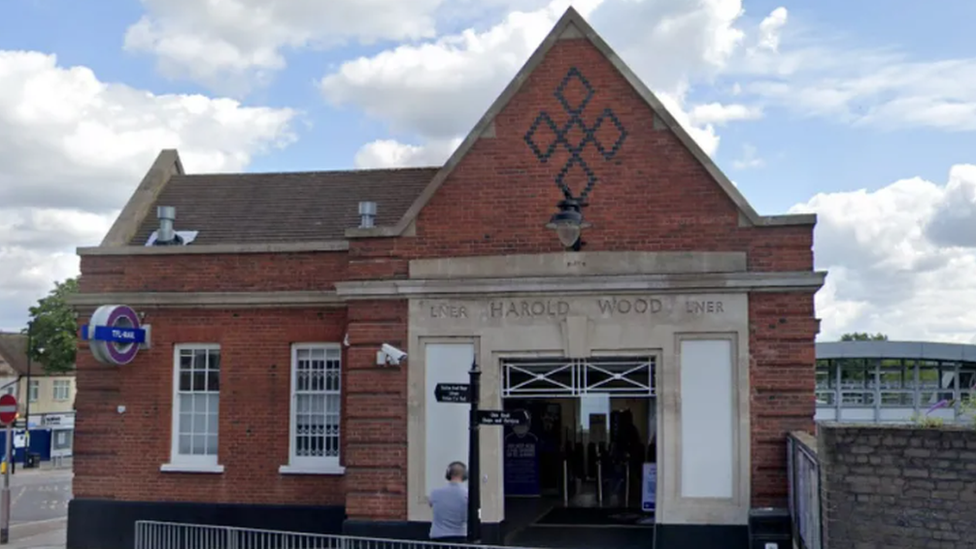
x=708, y=415
x=446, y=423
x=858, y=414
x=825, y=414
x=896, y=414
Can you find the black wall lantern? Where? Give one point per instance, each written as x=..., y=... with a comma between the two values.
x=568, y=224
x=568, y=221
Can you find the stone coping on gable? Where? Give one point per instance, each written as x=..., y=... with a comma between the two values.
x=900, y=427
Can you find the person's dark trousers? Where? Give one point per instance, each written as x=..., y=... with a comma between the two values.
x=450, y=539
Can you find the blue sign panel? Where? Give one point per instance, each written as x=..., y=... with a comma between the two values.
x=522, y=471
x=116, y=334
x=522, y=465
x=649, y=487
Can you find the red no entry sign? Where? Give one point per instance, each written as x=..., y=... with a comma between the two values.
x=8, y=409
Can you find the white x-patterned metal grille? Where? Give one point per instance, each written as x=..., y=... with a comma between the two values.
x=559, y=377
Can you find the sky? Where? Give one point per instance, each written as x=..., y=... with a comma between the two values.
x=863, y=112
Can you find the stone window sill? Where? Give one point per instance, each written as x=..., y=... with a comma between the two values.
x=187, y=468
x=306, y=470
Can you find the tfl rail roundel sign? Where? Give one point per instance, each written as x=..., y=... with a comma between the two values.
x=115, y=334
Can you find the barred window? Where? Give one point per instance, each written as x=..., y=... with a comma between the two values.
x=315, y=409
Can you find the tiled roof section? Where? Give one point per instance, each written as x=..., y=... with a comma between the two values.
x=13, y=349
x=258, y=208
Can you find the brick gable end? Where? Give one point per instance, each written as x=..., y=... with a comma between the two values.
x=651, y=193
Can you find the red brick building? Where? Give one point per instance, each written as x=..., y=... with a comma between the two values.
x=263, y=398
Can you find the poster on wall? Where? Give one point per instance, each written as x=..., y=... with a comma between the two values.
x=522, y=461
x=649, y=487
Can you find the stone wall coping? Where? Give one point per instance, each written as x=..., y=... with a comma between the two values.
x=806, y=439
x=903, y=427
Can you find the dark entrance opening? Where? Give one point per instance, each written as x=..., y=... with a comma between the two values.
x=582, y=472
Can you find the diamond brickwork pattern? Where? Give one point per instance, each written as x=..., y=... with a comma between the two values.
x=575, y=111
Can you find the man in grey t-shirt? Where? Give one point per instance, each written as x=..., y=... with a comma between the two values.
x=450, y=506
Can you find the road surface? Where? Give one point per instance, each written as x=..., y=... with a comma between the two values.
x=39, y=495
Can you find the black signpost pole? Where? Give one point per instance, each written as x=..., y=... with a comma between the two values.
x=474, y=457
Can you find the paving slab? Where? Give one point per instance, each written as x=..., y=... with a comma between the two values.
x=42, y=534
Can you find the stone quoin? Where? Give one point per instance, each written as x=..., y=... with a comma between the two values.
x=281, y=300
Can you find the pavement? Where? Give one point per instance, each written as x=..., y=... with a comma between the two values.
x=44, y=534
x=39, y=508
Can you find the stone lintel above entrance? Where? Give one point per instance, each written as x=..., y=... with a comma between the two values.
x=573, y=314
x=579, y=264
x=588, y=284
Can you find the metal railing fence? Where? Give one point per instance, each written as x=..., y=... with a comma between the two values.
x=805, y=496
x=171, y=535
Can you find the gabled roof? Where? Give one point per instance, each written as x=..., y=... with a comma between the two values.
x=257, y=208
x=13, y=350
x=572, y=26
x=234, y=213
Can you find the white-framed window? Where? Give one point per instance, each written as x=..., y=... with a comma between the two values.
x=316, y=403
x=196, y=406
x=62, y=389
x=35, y=390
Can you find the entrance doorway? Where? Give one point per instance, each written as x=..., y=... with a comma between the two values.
x=588, y=456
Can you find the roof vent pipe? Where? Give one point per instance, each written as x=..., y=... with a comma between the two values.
x=166, y=235
x=367, y=214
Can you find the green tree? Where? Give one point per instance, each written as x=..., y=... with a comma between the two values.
x=858, y=336
x=53, y=329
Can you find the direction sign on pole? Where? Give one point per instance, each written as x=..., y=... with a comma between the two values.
x=500, y=417
x=453, y=392
x=8, y=409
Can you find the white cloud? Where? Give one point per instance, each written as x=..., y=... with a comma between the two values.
x=885, y=272
x=954, y=221
x=703, y=134
x=717, y=113
x=389, y=153
x=438, y=89
x=870, y=89
x=770, y=29
x=72, y=150
x=749, y=159
x=231, y=43
x=670, y=43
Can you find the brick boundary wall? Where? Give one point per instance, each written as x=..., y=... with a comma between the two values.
x=900, y=486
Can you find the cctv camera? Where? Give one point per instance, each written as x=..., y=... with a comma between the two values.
x=393, y=355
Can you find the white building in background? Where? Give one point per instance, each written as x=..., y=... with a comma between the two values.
x=51, y=396
x=893, y=381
